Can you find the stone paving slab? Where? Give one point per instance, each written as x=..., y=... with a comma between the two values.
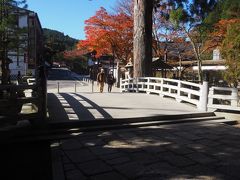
x=153, y=153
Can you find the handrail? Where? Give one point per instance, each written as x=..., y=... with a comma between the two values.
x=180, y=90
x=224, y=98
x=197, y=94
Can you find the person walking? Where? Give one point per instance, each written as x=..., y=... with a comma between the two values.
x=101, y=79
x=110, y=81
x=19, y=78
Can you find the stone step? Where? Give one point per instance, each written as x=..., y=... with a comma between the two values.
x=55, y=131
x=141, y=124
x=89, y=123
x=59, y=133
x=56, y=134
x=225, y=121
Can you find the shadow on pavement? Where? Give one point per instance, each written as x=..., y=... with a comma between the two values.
x=55, y=109
x=81, y=111
x=185, y=151
x=28, y=161
x=95, y=106
x=60, y=112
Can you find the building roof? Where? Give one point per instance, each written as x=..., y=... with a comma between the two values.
x=159, y=64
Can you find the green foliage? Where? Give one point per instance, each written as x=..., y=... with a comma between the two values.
x=58, y=40
x=225, y=9
x=178, y=16
x=231, y=52
x=78, y=64
x=55, y=43
x=201, y=8
x=230, y=9
x=188, y=20
x=11, y=36
x=9, y=30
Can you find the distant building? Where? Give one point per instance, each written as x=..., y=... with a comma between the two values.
x=27, y=55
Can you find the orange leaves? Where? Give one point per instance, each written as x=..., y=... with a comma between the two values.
x=220, y=32
x=74, y=53
x=107, y=33
x=221, y=27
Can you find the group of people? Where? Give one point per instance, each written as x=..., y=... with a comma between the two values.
x=101, y=79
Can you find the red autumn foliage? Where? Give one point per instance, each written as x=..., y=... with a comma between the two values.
x=75, y=53
x=109, y=34
x=220, y=31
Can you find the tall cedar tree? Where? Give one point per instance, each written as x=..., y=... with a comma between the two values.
x=142, y=38
x=143, y=29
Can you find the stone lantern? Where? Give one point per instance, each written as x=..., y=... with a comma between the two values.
x=129, y=69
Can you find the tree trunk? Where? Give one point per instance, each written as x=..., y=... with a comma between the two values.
x=3, y=67
x=197, y=55
x=142, y=43
x=3, y=48
x=180, y=66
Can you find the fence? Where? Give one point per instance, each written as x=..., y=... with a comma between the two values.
x=224, y=98
x=69, y=86
x=193, y=93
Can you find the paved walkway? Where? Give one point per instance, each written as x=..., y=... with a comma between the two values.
x=182, y=151
x=87, y=105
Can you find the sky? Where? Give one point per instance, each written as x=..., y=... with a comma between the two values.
x=68, y=16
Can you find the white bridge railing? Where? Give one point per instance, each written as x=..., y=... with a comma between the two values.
x=197, y=94
x=224, y=98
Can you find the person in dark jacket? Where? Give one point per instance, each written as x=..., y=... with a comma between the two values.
x=19, y=78
x=110, y=81
x=101, y=79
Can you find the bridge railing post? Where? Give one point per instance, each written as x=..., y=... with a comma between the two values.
x=121, y=89
x=128, y=85
x=161, y=90
x=234, y=94
x=203, y=99
x=75, y=87
x=92, y=85
x=148, y=86
x=179, y=91
x=137, y=85
x=58, y=87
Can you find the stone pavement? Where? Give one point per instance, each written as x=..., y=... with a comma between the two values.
x=180, y=151
x=201, y=150
x=85, y=105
